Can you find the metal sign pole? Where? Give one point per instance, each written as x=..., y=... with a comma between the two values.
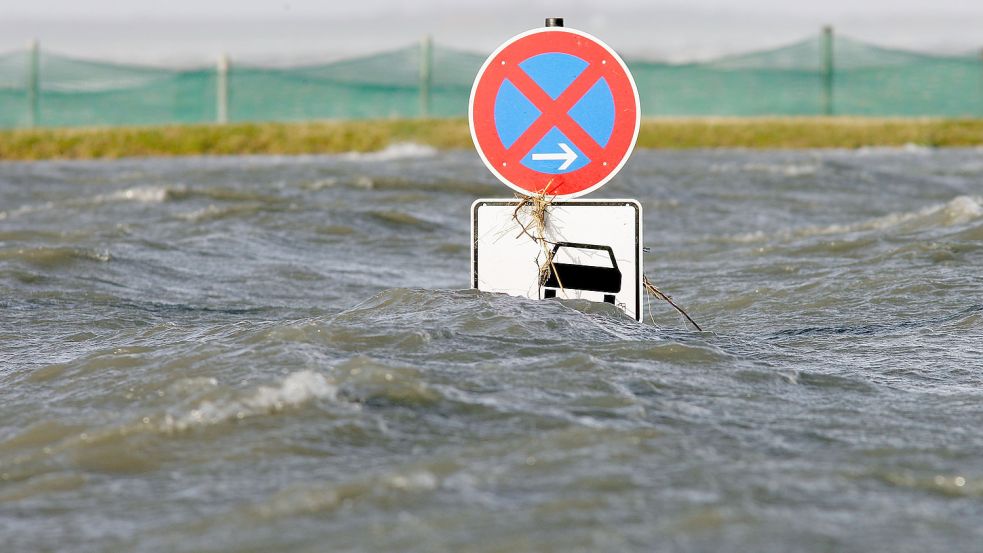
x=426, y=74
x=34, y=84
x=826, y=69
x=222, y=90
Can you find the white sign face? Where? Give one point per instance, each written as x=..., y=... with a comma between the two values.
x=595, y=247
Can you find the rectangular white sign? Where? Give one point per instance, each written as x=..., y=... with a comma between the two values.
x=595, y=246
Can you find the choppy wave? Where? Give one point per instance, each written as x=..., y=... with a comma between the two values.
x=53, y=257
x=906, y=149
x=278, y=353
x=216, y=212
x=958, y=211
x=314, y=498
x=147, y=194
x=394, y=152
x=783, y=169
x=37, y=449
x=400, y=219
x=296, y=389
x=426, y=322
x=789, y=168
x=385, y=183
x=25, y=210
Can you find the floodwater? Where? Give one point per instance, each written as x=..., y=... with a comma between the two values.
x=279, y=353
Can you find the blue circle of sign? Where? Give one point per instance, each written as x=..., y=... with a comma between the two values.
x=514, y=113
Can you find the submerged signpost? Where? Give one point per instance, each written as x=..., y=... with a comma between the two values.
x=554, y=115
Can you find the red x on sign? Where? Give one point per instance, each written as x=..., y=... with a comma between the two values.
x=554, y=110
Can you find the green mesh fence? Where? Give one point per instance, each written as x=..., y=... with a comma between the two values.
x=821, y=75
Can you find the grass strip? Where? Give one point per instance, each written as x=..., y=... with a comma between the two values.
x=325, y=137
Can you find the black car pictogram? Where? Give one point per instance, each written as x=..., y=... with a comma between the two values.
x=575, y=276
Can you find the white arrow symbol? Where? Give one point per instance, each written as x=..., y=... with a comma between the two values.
x=568, y=156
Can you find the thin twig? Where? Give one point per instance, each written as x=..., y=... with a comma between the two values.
x=652, y=289
x=539, y=205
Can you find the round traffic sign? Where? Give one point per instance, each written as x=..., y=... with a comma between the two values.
x=554, y=111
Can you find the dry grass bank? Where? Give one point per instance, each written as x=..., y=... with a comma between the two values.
x=361, y=136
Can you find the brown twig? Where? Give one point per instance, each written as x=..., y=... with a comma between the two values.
x=652, y=289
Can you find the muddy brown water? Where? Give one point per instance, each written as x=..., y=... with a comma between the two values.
x=280, y=353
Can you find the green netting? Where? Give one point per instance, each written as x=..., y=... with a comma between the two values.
x=817, y=76
x=75, y=92
x=874, y=81
x=14, y=103
x=383, y=85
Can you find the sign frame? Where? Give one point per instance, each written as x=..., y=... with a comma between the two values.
x=512, y=203
x=546, y=178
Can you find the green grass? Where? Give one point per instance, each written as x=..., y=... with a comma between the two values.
x=808, y=132
x=361, y=136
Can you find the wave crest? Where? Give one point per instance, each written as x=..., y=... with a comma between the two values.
x=393, y=152
x=957, y=211
x=296, y=389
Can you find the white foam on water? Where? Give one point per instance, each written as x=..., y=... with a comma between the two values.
x=142, y=194
x=296, y=389
x=206, y=212
x=964, y=209
x=138, y=194
x=188, y=386
x=316, y=497
x=909, y=148
x=25, y=209
x=415, y=481
x=320, y=184
x=54, y=256
x=957, y=211
x=401, y=150
x=784, y=169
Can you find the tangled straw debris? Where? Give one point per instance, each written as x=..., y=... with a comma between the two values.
x=535, y=229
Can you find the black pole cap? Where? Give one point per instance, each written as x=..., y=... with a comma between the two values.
x=554, y=21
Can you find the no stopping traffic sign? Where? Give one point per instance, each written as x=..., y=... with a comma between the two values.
x=555, y=111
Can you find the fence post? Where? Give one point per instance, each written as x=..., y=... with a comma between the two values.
x=34, y=84
x=222, y=89
x=426, y=74
x=826, y=69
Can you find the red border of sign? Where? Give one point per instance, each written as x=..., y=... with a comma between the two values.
x=605, y=162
